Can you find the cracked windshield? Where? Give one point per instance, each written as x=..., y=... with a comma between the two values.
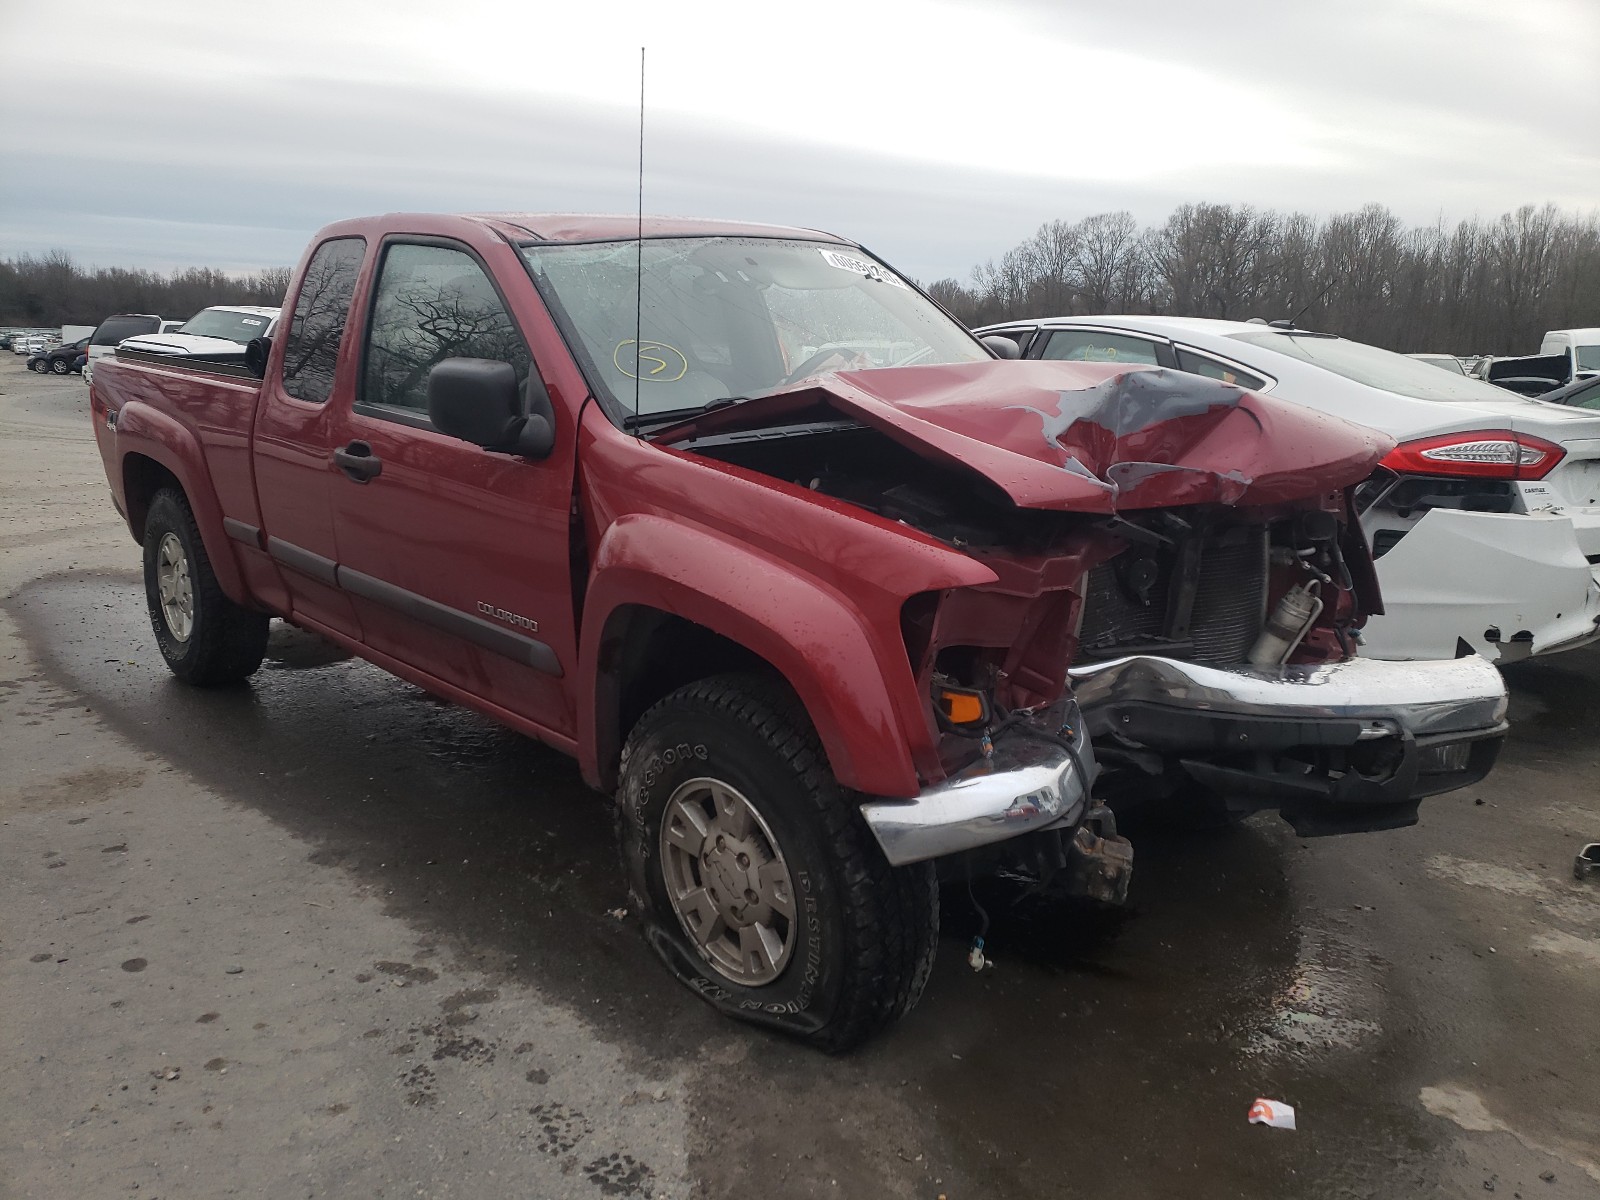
x=725, y=318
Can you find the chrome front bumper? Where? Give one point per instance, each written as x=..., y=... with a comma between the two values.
x=1422, y=699
x=1028, y=784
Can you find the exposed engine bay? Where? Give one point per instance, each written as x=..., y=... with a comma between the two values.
x=1183, y=558
x=1196, y=583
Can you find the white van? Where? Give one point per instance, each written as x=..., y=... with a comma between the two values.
x=1581, y=346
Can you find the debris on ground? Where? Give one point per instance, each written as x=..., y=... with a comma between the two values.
x=1272, y=1112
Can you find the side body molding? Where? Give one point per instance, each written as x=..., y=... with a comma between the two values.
x=826, y=649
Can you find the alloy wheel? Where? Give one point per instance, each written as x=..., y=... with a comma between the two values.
x=175, y=587
x=727, y=881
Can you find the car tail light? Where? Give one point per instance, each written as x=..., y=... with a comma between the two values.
x=1481, y=454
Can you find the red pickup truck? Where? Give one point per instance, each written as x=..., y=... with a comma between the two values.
x=795, y=567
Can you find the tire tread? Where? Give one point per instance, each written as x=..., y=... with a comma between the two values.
x=230, y=641
x=892, y=913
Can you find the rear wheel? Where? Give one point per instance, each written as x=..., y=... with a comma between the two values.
x=61, y=367
x=761, y=885
x=205, y=637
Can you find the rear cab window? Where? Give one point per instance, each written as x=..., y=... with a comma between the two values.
x=311, y=347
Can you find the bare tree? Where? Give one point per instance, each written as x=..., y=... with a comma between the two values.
x=52, y=289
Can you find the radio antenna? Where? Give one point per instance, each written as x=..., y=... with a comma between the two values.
x=638, y=262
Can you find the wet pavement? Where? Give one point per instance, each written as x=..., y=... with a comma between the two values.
x=425, y=912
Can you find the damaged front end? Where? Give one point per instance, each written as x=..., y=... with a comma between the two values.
x=1128, y=516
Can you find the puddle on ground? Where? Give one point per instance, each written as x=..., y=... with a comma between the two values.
x=1329, y=1003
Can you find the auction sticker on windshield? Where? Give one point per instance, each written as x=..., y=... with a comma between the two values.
x=861, y=266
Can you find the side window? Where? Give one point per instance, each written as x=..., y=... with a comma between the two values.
x=432, y=303
x=1199, y=364
x=320, y=312
x=1020, y=336
x=1090, y=345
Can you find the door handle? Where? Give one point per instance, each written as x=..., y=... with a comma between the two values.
x=358, y=462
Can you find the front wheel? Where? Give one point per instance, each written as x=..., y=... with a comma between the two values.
x=205, y=637
x=38, y=365
x=761, y=885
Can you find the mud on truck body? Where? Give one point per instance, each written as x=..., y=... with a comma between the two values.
x=828, y=598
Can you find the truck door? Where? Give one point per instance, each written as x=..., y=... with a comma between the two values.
x=294, y=439
x=456, y=558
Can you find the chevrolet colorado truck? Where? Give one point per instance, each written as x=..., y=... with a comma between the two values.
x=790, y=562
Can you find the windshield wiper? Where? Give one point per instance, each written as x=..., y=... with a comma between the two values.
x=673, y=415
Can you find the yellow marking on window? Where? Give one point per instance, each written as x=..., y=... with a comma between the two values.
x=666, y=360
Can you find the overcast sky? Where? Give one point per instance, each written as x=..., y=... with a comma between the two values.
x=937, y=133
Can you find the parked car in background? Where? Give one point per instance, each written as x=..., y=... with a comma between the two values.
x=218, y=335
x=1530, y=374
x=1485, y=519
x=113, y=330
x=1445, y=362
x=59, y=360
x=28, y=343
x=1580, y=346
x=1581, y=393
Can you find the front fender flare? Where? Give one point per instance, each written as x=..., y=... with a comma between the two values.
x=844, y=669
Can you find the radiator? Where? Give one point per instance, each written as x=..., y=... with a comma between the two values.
x=1126, y=602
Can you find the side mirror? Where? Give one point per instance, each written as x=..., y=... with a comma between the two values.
x=256, y=353
x=476, y=400
x=1002, y=347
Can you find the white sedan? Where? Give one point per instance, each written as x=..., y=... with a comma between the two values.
x=1485, y=519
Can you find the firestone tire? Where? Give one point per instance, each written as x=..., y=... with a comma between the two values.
x=205, y=638
x=61, y=367
x=860, y=947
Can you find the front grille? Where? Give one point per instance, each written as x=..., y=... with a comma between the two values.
x=1128, y=603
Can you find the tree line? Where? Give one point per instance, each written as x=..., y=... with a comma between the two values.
x=1481, y=285
x=51, y=289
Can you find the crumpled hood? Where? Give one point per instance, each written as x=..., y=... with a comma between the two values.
x=1084, y=437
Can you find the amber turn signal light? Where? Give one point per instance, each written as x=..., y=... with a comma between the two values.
x=962, y=707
